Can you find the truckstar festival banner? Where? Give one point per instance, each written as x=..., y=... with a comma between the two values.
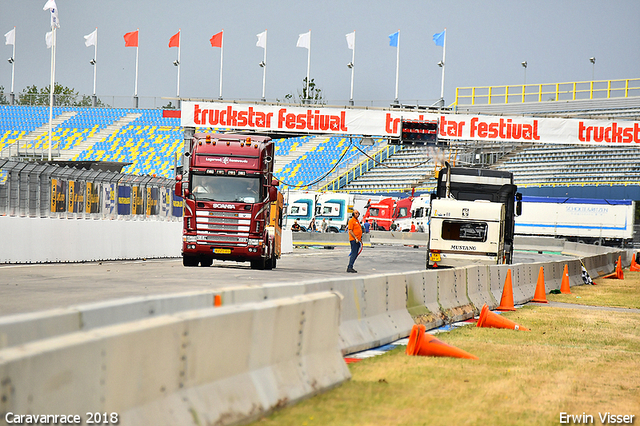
x=386, y=123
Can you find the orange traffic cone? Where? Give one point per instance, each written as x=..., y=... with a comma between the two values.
x=540, y=295
x=491, y=320
x=635, y=267
x=565, y=287
x=506, y=302
x=421, y=343
x=618, y=274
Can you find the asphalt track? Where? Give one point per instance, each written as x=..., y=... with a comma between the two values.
x=37, y=287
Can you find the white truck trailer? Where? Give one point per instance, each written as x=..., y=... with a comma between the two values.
x=591, y=221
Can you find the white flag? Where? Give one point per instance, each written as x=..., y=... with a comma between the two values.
x=91, y=39
x=304, y=40
x=51, y=5
x=10, y=37
x=351, y=40
x=48, y=38
x=262, y=40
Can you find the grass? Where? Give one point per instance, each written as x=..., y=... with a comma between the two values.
x=572, y=361
x=607, y=292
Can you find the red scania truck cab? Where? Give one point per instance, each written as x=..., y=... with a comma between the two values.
x=229, y=193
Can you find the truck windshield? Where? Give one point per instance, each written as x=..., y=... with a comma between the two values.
x=226, y=188
x=464, y=231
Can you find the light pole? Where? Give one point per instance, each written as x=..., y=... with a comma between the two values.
x=524, y=65
x=593, y=67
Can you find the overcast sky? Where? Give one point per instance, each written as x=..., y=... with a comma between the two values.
x=486, y=43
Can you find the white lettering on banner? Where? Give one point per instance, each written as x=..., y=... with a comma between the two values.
x=384, y=123
x=226, y=160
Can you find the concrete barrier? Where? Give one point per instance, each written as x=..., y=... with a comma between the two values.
x=538, y=244
x=22, y=328
x=452, y=294
x=399, y=238
x=211, y=366
x=478, y=289
x=422, y=298
x=329, y=239
x=78, y=240
x=371, y=313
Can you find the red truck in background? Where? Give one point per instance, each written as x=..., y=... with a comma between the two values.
x=386, y=212
x=229, y=199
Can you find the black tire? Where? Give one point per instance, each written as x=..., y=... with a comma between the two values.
x=189, y=260
x=333, y=230
x=206, y=262
x=259, y=263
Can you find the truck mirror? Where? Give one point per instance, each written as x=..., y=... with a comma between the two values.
x=178, y=189
x=273, y=193
x=518, y=208
x=275, y=182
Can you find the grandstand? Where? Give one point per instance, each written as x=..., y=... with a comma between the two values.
x=149, y=143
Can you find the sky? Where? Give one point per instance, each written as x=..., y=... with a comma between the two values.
x=486, y=43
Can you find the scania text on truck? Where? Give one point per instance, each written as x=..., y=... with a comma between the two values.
x=229, y=195
x=457, y=184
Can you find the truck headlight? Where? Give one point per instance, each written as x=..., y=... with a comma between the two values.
x=191, y=238
x=253, y=242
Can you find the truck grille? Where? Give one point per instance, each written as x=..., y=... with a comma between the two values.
x=233, y=225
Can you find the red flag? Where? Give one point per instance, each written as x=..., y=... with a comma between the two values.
x=174, y=41
x=216, y=40
x=131, y=39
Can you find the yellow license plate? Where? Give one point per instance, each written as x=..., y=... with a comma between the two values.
x=221, y=251
x=434, y=257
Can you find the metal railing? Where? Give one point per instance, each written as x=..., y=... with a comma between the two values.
x=360, y=169
x=525, y=93
x=30, y=189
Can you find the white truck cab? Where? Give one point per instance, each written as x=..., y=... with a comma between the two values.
x=463, y=233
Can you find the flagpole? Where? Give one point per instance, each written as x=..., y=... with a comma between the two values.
x=397, y=65
x=135, y=90
x=264, y=68
x=179, y=43
x=444, y=49
x=353, y=59
x=95, y=66
x=308, y=64
x=221, y=55
x=51, y=87
x=13, y=65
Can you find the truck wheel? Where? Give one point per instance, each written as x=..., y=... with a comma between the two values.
x=189, y=260
x=333, y=230
x=259, y=263
x=273, y=262
x=206, y=262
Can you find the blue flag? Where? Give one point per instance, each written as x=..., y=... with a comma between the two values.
x=439, y=38
x=393, y=39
